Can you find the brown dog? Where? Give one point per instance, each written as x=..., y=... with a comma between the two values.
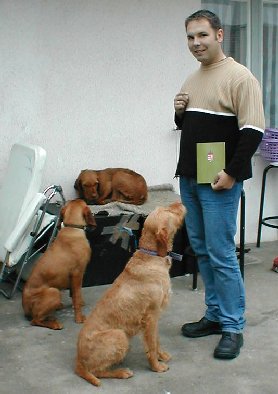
x=111, y=184
x=62, y=266
x=132, y=304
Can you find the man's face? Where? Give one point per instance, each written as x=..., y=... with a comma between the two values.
x=204, y=42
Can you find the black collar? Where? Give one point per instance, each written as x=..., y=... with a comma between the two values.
x=175, y=256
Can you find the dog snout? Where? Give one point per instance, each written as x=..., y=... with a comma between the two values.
x=90, y=195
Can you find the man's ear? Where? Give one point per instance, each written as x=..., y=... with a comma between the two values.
x=220, y=35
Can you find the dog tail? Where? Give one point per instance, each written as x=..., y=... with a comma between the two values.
x=81, y=371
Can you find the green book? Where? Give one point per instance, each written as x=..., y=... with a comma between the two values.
x=210, y=160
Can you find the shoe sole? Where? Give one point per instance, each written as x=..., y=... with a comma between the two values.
x=226, y=356
x=203, y=334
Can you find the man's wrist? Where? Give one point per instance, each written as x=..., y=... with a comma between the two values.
x=179, y=114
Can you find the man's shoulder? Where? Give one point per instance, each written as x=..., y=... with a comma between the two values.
x=238, y=69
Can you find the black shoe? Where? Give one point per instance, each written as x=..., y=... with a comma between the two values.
x=201, y=328
x=229, y=345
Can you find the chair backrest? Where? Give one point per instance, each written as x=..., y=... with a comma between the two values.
x=21, y=182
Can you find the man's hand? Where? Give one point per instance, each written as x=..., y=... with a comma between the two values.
x=180, y=103
x=223, y=181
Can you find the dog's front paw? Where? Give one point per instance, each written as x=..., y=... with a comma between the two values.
x=160, y=367
x=164, y=356
x=80, y=319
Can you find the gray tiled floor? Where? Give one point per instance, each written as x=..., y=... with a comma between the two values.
x=35, y=360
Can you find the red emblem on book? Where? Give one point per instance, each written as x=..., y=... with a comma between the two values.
x=210, y=156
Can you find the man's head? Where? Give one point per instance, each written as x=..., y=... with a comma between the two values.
x=212, y=18
x=205, y=36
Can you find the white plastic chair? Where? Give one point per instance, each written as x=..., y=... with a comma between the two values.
x=22, y=209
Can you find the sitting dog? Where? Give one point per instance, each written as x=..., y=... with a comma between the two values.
x=111, y=184
x=132, y=304
x=62, y=266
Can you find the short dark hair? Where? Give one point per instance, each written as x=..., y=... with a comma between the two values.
x=205, y=14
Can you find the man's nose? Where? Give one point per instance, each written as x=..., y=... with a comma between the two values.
x=196, y=42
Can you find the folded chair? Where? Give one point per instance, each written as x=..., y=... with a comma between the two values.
x=23, y=213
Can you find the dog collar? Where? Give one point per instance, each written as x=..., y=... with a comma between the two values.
x=175, y=256
x=85, y=228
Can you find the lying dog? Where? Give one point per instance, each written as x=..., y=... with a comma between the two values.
x=132, y=304
x=111, y=184
x=62, y=266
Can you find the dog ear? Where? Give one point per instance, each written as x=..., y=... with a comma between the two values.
x=78, y=187
x=89, y=217
x=162, y=241
x=76, y=184
x=61, y=217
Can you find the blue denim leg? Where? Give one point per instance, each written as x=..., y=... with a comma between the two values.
x=211, y=227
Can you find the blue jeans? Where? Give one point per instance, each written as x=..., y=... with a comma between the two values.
x=211, y=226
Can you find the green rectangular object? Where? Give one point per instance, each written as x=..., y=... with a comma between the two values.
x=210, y=160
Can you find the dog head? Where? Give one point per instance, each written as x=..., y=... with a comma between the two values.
x=77, y=212
x=87, y=186
x=160, y=228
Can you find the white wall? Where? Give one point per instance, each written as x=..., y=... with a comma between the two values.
x=93, y=83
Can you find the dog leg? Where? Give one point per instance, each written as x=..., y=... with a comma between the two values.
x=52, y=324
x=119, y=373
x=98, y=351
x=44, y=304
x=83, y=373
x=77, y=300
x=152, y=347
x=105, y=190
x=162, y=355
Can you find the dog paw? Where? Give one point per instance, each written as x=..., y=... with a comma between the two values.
x=80, y=319
x=52, y=324
x=160, y=367
x=124, y=373
x=164, y=356
x=57, y=326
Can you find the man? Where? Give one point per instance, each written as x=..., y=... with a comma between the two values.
x=220, y=102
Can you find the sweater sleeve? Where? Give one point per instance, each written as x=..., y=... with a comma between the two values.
x=178, y=121
x=247, y=99
x=247, y=146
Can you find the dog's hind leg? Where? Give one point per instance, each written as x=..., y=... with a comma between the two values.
x=104, y=349
x=119, y=373
x=83, y=373
x=44, y=304
x=116, y=346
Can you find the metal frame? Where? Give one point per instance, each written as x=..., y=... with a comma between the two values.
x=50, y=192
x=264, y=220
